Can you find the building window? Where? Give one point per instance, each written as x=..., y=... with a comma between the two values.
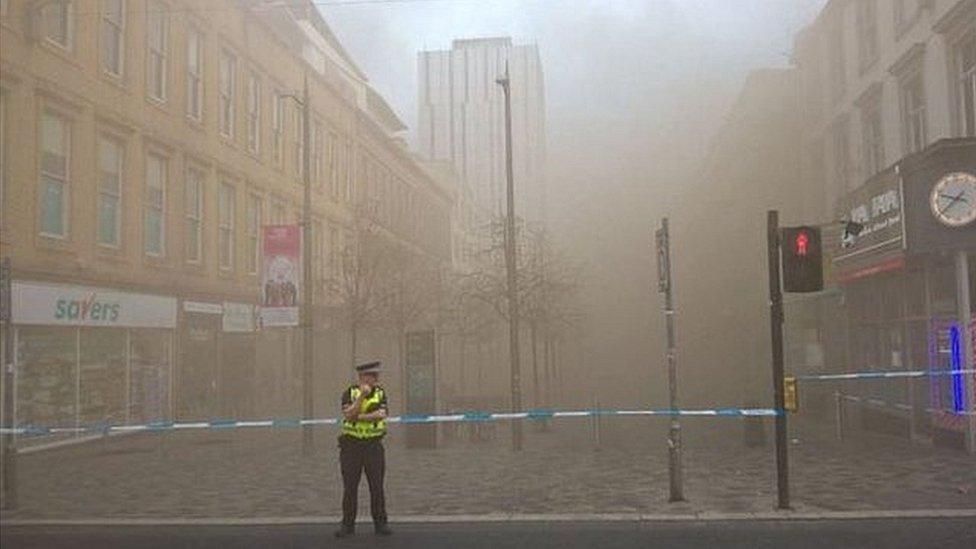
x=318, y=135
x=348, y=169
x=912, y=94
x=226, y=218
x=253, y=113
x=837, y=59
x=867, y=32
x=277, y=128
x=333, y=166
x=873, y=135
x=966, y=83
x=228, y=91
x=55, y=174
x=299, y=149
x=193, y=215
x=110, y=157
x=253, y=233
x=154, y=216
x=55, y=21
x=334, y=252
x=113, y=35
x=157, y=37
x=841, y=148
x=194, y=74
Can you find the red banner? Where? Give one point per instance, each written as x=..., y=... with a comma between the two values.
x=280, y=287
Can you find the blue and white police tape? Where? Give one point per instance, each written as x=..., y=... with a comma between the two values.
x=879, y=403
x=882, y=375
x=219, y=424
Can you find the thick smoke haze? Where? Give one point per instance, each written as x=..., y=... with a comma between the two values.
x=634, y=92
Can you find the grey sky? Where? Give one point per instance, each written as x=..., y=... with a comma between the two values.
x=600, y=57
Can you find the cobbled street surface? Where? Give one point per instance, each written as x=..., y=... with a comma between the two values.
x=263, y=473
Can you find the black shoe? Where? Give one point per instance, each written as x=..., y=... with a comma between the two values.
x=382, y=529
x=345, y=531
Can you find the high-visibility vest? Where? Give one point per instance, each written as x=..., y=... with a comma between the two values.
x=365, y=429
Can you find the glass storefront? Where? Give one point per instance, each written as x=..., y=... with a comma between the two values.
x=102, y=390
x=47, y=375
x=90, y=356
x=149, y=375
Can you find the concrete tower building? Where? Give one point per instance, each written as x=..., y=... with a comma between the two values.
x=462, y=120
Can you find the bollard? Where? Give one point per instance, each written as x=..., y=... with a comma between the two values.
x=838, y=415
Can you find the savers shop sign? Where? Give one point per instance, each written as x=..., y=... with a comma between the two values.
x=53, y=304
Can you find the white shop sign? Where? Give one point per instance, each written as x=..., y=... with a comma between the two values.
x=203, y=308
x=238, y=317
x=60, y=305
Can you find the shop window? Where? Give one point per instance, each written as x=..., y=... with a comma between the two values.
x=103, y=371
x=149, y=376
x=46, y=376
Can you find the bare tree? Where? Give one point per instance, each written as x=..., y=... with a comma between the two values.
x=548, y=284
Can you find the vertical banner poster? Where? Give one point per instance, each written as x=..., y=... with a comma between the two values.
x=421, y=387
x=280, y=275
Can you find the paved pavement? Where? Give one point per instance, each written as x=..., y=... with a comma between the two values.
x=913, y=534
x=262, y=473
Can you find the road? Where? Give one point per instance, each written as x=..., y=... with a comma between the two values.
x=888, y=533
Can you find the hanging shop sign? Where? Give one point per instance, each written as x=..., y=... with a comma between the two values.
x=61, y=305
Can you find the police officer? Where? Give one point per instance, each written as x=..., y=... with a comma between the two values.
x=364, y=409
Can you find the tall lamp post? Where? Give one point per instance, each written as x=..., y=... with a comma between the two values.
x=307, y=292
x=510, y=258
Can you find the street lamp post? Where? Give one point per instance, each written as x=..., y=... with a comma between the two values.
x=510, y=267
x=307, y=291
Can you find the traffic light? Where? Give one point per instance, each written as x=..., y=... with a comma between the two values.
x=802, y=260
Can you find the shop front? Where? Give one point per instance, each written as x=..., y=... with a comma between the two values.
x=216, y=366
x=88, y=355
x=907, y=282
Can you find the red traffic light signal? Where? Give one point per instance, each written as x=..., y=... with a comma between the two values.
x=802, y=260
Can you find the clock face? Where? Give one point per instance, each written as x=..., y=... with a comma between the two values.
x=953, y=199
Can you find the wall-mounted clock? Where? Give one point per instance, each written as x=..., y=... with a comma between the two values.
x=953, y=199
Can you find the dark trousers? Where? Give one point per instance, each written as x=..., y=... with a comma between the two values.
x=356, y=456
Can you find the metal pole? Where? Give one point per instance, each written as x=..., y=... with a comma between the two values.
x=839, y=416
x=674, y=432
x=964, y=305
x=307, y=331
x=510, y=267
x=9, y=479
x=776, y=333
